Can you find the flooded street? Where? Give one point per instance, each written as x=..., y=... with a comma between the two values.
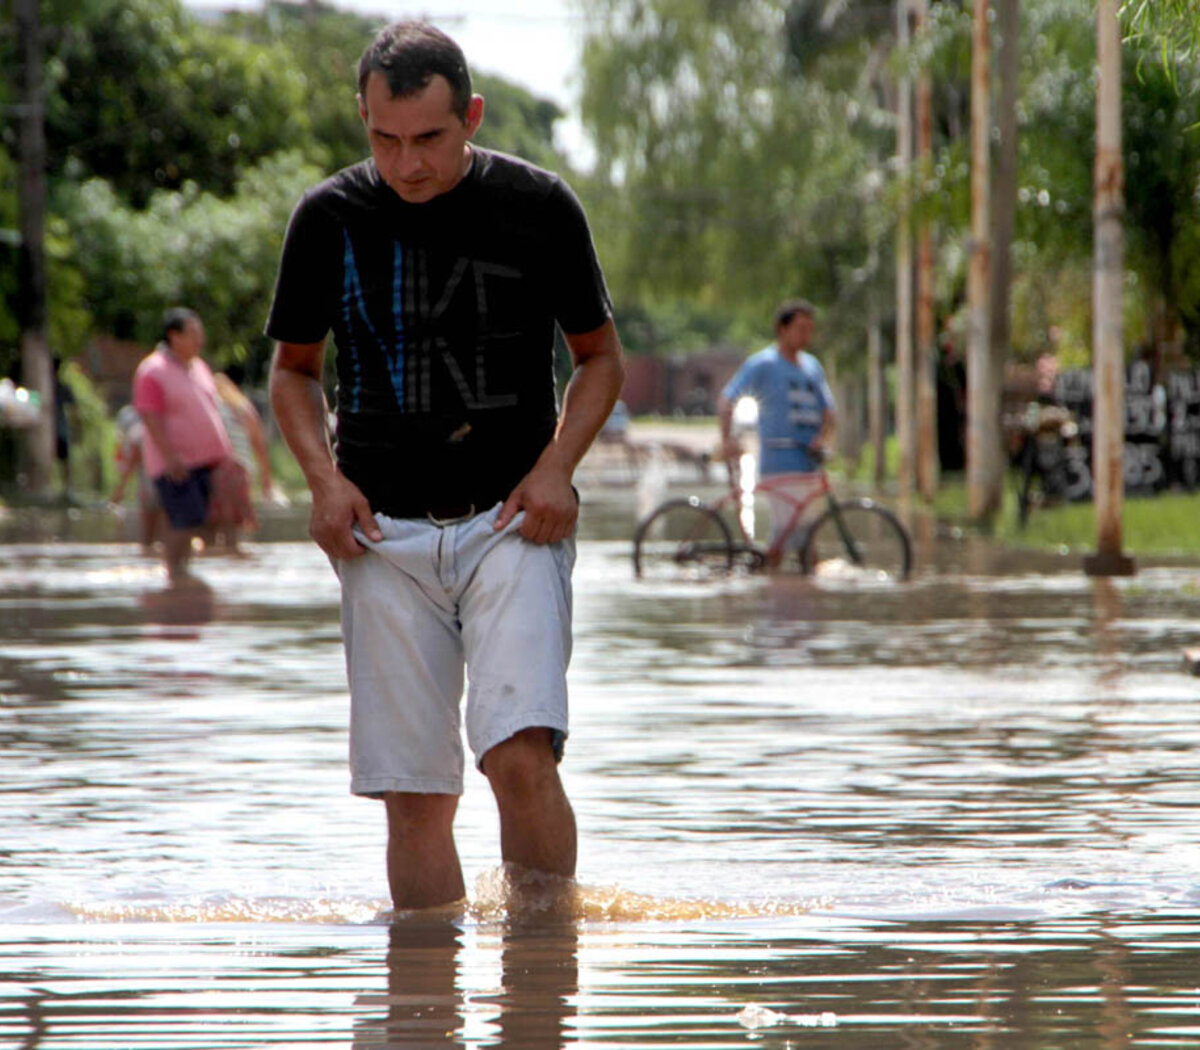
x=956, y=813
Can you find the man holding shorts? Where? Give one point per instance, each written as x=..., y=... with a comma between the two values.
x=176, y=398
x=795, y=414
x=442, y=270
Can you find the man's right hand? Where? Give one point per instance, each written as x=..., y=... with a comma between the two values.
x=337, y=508
x=176, y=469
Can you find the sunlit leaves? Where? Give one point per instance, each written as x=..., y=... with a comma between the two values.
x=1171, y=25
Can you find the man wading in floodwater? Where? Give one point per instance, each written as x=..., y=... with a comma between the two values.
x=442, y=269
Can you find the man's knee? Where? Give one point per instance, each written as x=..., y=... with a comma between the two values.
x=523, y=765
x=410, y=813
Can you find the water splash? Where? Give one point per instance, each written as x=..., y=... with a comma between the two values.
x=754, y=1016
x=503, y=894
x=319, y=910
x=509, y=892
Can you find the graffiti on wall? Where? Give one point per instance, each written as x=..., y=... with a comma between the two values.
x=1162, y=424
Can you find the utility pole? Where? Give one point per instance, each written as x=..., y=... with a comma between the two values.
x=984, y=473
x=1004, y=187
x=1108, y=349
x=36, y=373
x=926, y=354
x=905, y=431
x=876, y=396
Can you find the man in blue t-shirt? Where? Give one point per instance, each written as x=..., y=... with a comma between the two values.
x=795, y=412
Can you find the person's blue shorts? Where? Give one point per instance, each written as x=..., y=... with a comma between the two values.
x=186, y=501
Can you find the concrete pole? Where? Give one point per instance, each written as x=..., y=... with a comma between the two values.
x=983, y=397
x=905, y=432
x=1108, y=344
x=926, y=349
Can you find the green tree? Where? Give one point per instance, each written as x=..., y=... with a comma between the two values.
x=68, y=318
x=324, y=45
x=1174, y=25
x=216, y=255
x=142, y=95
x=728, y=180
x=1161, y=109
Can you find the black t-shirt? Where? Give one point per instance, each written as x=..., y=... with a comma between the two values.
x=444, y=316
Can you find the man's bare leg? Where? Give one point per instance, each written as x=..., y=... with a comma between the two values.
x=537, y=825
x=177, y=552
x=422, y=862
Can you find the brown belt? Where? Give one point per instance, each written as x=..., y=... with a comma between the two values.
x=450, y=514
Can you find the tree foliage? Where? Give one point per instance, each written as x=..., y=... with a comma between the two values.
x=140, y=94
x=726, y=179
x=323, y=45
x=1172, y=25
x=216, y=254
x=746, y=155
x=177, y=149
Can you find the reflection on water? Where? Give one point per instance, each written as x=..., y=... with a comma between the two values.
x=960, y=813
x=824, y=983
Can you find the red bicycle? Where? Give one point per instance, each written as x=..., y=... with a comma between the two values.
x=689, y=537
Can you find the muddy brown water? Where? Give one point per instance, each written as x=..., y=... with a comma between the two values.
x=957, y=813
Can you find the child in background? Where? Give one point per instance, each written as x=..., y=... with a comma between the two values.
x=233, y=506
x=130, y=462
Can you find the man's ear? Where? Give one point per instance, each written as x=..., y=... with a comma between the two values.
x=474, y=114
x=362, y=108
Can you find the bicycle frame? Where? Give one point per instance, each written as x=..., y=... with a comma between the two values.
x=775, y=487
x=858, y=532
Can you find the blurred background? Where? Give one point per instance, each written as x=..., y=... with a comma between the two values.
x=730, y=154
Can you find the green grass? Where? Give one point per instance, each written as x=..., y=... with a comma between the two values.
x=1158, y=525
x=1162, y=524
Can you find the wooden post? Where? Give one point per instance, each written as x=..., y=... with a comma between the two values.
x=1004, y=191
x=905, y=433
x=1108, y=351
x=876, y=400
x=36, y=373
x=926, y=349
x=983, y=396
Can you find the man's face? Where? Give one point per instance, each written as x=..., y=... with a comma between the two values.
x=187, y=342
x=418, y=143
x=796, y=334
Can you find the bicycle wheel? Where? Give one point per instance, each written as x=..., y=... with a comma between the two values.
x=858, y=538
x=682, y=538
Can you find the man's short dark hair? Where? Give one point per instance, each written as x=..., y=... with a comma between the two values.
x=409, y=55
x=176, y=320
x=788, y=310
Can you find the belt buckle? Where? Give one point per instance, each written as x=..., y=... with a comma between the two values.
x=442, y=523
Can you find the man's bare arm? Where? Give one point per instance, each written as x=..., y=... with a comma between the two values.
x=731, y=448
x=824, y=438
x=545, y=493
x=298, y=402
x=156, y=430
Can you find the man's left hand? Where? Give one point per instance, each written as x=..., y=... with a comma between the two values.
x=550, y=505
